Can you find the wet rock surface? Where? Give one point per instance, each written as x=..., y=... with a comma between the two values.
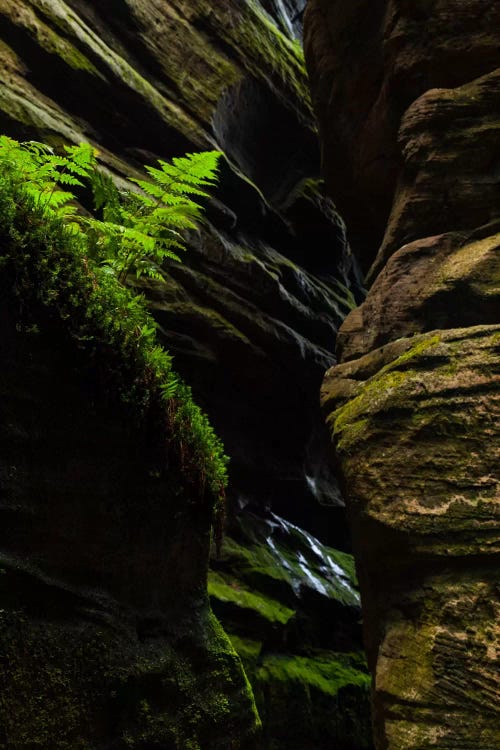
x=291, y=608
x=413, y=405
x=254, y=308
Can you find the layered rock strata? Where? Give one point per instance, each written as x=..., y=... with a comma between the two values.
x=250, y=317
x=291, y=608
x=408, y=97
x=263, y=290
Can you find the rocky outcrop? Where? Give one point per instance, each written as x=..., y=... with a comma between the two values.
x=250, y=316
x=262, y=291
x=408, y=98
x=369, y=63
x=415, y=425
x=107, y=639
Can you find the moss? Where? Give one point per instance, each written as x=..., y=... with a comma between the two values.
x=283, y=571
x=248, y=650
x=352, y=421
x=48, y=274
x=264, y=49
x=53, y=42
x=327, y=673
x=228, y=589
x=218, y=322
x=108, y=60
x=314, y=703
x=79, y=686
x=424, y=343
x=71, y=55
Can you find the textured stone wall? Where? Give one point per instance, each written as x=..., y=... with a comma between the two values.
x=107, y=639
x=250, y=317
x=254, y=308
x=408, y=98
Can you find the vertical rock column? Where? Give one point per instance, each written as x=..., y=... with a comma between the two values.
x=409, y=106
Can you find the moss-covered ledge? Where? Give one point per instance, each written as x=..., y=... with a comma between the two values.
x=106, y=500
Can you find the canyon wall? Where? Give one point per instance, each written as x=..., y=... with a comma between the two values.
x=408, y=99
x=250, y=317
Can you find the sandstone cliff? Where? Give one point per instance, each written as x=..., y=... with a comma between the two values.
x=408, y=97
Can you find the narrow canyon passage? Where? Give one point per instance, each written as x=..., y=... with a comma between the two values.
x=120, y=626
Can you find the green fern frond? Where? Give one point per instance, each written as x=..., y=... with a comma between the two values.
x=134, y=234
x=150, y=187
x=69, y=179
x=58, y=198
x=37, y=148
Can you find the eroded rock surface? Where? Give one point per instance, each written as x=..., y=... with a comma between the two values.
x=408, y=97
x=415, y=426
x=370, y=62
x=290, y=605
x=262, y=292
x=251, y=314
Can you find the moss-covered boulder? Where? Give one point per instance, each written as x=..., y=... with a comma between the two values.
x=415, y=425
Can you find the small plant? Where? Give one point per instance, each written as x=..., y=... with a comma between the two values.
x=76, y=266
x=141, y=229
x=138, y=230
x=41, y=174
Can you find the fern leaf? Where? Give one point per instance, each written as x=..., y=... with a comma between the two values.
x=59, y=198
x=106, y=195
x=37, y=148
x=69, y=179
x=83, y=155
x=77, y=169
x=139, y=201
x=150, y=188
x=66, y=210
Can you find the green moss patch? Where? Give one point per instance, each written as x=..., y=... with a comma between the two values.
x=327, y=672
x=226, y=588
x=353, y=420
x=286, y=570
x=247, y=649
x=78, y=686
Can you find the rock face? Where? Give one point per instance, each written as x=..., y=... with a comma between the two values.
x=409, y=103
x=107, y=639
x=370, y=64
x=291, y=608
x=265, y=287
x=250, y=316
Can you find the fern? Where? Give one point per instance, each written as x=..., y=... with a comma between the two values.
x=138, y=231
x=148, y=227
x=76, y=262
x=42, y=172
